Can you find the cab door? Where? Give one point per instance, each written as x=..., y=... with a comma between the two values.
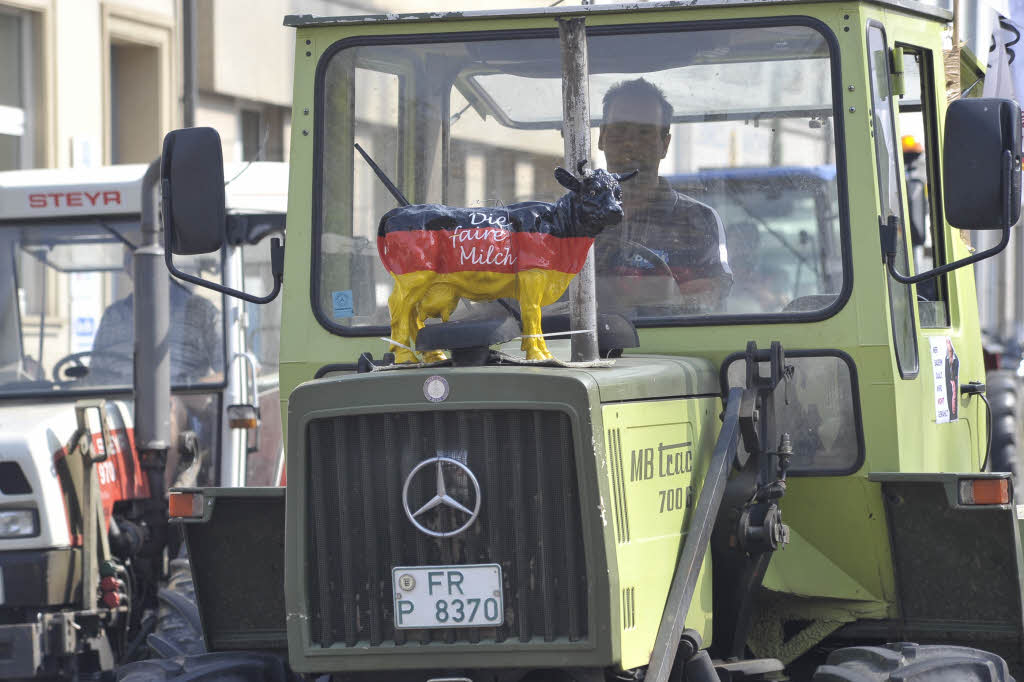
x=933, y=340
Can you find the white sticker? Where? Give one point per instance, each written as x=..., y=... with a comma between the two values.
x=1020, y=511
x=946, y=371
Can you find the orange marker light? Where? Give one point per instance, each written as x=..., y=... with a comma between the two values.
x=985, y=491
x=185, y=505
x=243, y=416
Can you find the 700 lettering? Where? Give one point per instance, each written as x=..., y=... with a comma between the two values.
x=456, y=610
x=675, y=499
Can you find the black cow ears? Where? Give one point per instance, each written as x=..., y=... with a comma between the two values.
x=622, y=177
x=567, y=180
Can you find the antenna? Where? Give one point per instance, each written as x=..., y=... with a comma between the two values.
x=399, y=197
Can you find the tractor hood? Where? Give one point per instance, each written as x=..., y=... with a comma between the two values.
x=32, y=438
x=34, y=475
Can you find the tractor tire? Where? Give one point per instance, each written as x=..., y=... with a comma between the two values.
x=178, y=629
x=179, y=652
x=904, y=662
x=1003, y=389
x=241, y=666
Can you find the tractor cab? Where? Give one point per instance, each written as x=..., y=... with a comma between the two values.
x=69, y=237
x=463, y=505
x=82, y=506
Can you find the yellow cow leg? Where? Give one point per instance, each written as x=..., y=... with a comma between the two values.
x=539, y=288
x=532, y=285
x=440, y=301
x=403, y=305
x=398, y=304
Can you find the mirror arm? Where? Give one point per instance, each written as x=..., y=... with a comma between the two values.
x=277, y=267
x=276, y=261
x=942, y=269
x=893, y=224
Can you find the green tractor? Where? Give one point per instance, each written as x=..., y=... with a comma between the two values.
x=780, y=472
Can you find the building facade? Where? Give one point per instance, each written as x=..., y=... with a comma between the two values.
x=96, y=82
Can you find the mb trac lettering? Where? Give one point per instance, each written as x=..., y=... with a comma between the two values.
x=667, y=460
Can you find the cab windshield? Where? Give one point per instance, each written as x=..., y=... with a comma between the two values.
x=66, y=311
x=734, y=215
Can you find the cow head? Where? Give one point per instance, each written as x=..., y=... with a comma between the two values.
x=596, y=198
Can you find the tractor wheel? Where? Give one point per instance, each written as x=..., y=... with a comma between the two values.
x=178, y=630
x=906, y=662
x=179, y=653
x=241, y=666
x=1003, y=388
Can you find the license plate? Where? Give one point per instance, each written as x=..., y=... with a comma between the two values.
x=448, y=596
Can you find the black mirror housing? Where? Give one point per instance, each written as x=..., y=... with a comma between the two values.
x=192, y=181
x=194, y=212
x=979, y=132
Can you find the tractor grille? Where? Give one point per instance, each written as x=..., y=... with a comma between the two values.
x=529, y=521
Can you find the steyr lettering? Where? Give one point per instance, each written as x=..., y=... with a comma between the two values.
x=74, y=199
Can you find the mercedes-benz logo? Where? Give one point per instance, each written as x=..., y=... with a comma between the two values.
x=441, y=497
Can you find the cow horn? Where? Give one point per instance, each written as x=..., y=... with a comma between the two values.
x=622, y=177
x=579, y=167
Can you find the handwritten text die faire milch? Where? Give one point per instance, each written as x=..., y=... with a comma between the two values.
x=494, y=235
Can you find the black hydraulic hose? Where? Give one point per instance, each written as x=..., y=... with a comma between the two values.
x=979, y=389
x=335, y=367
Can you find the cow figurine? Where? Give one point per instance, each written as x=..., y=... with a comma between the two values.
x=529, y=251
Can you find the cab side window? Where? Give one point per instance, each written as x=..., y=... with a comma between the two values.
x=890, y=195
x=921, y=179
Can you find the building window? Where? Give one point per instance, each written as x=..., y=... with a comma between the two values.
x=16, y=92
x=262, y=133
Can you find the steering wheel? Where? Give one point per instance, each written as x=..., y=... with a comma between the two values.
x=610, y=249
x=79, y=370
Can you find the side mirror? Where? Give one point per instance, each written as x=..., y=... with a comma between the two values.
x=981, y=179
x=979, y=134
x=192, y=181
x=194, y=215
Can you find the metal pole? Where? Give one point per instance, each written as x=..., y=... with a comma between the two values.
x=188, y=38
x=152, y=316
x=42, y=315
x=576, y=136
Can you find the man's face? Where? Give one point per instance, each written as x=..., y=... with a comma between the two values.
x=633, y=136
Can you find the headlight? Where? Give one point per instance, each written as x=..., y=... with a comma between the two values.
x=18, y=523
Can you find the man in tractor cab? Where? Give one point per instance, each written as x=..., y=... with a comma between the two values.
x=662, y=230
x=196, y=343
x=197, y=356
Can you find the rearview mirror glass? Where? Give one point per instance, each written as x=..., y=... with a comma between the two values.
x=979, y=132
x=192, y=182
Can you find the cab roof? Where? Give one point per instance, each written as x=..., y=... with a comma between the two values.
x=258, y=187
x=306, y=20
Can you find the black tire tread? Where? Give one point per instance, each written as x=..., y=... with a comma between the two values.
x=242, y=666
x=1003, y=392
x=178, y=628
x=906, y=662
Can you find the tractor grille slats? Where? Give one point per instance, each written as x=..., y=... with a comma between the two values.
x=529, y=521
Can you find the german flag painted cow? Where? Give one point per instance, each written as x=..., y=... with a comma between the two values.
x=529, y=251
